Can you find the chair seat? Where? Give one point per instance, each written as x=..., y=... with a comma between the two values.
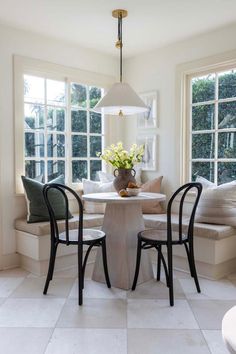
x=160, y=236
x=89, y=235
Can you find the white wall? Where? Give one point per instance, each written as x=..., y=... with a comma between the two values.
x=156, y=70
x=34, y=46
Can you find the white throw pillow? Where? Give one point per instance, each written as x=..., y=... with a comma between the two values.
x=217, y=205
x=96, y=187
x=205, y=183
x=105, y=177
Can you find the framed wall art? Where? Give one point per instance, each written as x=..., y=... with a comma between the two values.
x=148, y=119
x=150, y=145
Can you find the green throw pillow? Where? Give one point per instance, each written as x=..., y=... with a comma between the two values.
x=36, y=206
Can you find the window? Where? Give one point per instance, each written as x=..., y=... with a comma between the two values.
x=62, y=133
x=212, y=116
x=56, y=128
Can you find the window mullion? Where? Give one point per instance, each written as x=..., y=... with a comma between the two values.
x=45, y=132
x=88, y=131
x=189, y=128
x=216, y=128
x=68, y=135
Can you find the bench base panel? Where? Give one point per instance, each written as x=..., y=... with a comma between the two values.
x=210, y=271
x=214, y=258
x=208, y=264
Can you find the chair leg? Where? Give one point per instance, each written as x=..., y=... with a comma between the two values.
x=80, y=274
x=104, y=258
x=189, y=260
x=85, y=261
x=138, y=259
x=194, y=272
x=159, y=263
x=170, y=277
x=165, y=268
x=50, y=267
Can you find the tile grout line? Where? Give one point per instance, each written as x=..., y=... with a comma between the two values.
x=66, y=298
x=199, y=327
x=206, y=342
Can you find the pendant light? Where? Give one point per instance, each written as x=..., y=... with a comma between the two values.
x=121, y=99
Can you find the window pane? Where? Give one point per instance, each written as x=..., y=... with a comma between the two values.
x=79, y=121
x=226, y=172
x=56, y=145
x=34, y=169
x=95, y=94
x=55, y=168
x=95, y=123
x=203, y=146
x=95, y=165
x=34, y=89
x=95, y=145
x=34, y=145
x=78, y=95
x=203, y=117
x=204, y=169
x=56, y=119
x=227, y=115
x=79, y=146
x=227, y=145
x=227, y=84
x=203, y=88
x=79, y=170
x=34, y=116
x=55, y=92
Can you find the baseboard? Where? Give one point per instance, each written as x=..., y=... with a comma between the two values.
x=9, y=261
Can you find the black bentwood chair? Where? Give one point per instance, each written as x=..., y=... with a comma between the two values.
x=152, y=238
x=78, y=236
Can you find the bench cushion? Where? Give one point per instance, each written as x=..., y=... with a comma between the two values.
x=43, y=228
x=211, y=231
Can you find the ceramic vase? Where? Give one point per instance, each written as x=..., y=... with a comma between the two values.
x=122, y=177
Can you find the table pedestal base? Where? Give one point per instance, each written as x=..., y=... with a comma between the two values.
x=121, y=225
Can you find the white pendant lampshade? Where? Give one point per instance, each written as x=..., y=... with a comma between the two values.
x=121, y=99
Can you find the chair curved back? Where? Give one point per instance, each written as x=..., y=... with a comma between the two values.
x=63, y=191
x=182, y=192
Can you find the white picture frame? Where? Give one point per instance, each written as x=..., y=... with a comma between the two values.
x=150, y=154
x=148, y=119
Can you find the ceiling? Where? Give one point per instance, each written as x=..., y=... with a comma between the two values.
x=150, y=24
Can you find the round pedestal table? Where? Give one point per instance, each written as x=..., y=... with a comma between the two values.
x=229, y=329
x=122, y=221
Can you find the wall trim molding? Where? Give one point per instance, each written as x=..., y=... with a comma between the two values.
x=183, y=72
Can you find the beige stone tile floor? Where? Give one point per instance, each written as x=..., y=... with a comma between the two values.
x=111, y=320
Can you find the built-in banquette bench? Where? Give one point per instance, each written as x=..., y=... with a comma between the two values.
x=215, y=245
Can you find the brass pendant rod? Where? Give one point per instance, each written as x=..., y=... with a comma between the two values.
x=121, y=43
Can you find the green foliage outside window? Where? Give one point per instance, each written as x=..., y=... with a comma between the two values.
x=50, y=128
x=204, y=91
